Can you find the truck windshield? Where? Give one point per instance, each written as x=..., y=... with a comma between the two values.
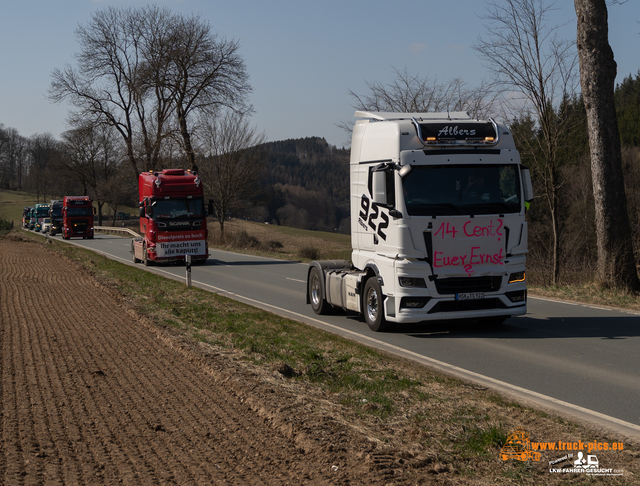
x=56, y=212
x=42, y=212
x=79, y=212
x=462, y=189
x=177, y=208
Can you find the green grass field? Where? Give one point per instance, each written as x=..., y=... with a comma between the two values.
x=12, y=203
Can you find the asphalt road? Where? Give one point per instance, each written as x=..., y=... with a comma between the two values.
x=576, y=359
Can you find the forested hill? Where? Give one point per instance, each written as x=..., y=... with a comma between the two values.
x=306, y=184
x=310, y=163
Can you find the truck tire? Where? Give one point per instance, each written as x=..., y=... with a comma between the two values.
x=318, y=303
x=373, y=306
x=145, y=258
x=133, y=252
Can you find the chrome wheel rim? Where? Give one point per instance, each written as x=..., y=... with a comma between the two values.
x=372, y=305
x=316, y=295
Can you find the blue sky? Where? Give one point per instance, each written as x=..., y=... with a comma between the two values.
x=303, y=57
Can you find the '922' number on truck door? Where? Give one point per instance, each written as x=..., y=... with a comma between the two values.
x=371, y=218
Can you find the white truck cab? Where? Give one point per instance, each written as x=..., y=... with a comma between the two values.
x=438, y=224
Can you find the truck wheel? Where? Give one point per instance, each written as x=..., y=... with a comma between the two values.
x=318, y=304
x=374, y=306
x=145, y=258
x=133, y=252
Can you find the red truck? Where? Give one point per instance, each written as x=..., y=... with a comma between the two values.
x=77, y=217
x=173, y=220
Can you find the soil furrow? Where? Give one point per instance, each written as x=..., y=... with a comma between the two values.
x=93, y=394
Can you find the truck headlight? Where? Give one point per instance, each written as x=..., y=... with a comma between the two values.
x=412, y=282
x=517, y=277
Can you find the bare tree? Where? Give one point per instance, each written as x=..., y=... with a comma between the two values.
x=232, y=167
x=413, y=93
x=206, y=74
x=616, y=265
x=92, y=157
x=43, y=151
x=139, y=70
x=119, y=80
x=119, y=189
x=537, y=73
x=12, y=158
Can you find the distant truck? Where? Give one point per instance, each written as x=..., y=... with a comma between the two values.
x=41, y=212
x=438, y=224
x=173, y=219
x=26, y=217
x=55, y=214
x=45, y=225
x=77, y=217
x=32, y=219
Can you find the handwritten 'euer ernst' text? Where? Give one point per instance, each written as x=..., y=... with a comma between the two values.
x=475, y=254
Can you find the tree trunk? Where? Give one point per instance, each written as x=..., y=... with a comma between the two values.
x=221, y=221
x=186, y=138
x=616, y=265
x=555, y=224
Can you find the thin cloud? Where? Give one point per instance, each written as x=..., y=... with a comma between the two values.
x=417, y=47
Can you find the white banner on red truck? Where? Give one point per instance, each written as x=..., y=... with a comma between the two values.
x=474, y=246
x=180, y=243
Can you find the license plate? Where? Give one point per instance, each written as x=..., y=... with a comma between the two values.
x=470, y=296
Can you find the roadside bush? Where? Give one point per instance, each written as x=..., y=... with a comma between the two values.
x=309, y=252
x=274, y=245
x=5, y=225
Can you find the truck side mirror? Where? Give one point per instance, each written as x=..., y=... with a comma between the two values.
x=210, y=207
x=379, y=187
x=141, y=212
x=527, y=187
x=382, y=186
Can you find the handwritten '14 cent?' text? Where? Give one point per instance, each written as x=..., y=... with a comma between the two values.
x=483, y=247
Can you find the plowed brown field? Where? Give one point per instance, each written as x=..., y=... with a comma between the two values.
x=92, y=393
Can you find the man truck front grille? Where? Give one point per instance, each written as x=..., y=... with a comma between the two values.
x=468, y=284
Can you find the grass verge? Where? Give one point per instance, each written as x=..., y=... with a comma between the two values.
x=455, y=429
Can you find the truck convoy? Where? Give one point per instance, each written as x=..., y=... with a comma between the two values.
x=55, y=214
x=77, y=217
x=173, y=221
x=438, y=226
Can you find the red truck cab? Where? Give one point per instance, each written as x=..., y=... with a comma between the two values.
x=173, y=220
x=77, y=217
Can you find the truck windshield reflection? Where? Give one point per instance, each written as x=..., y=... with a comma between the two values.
x=462, y=189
